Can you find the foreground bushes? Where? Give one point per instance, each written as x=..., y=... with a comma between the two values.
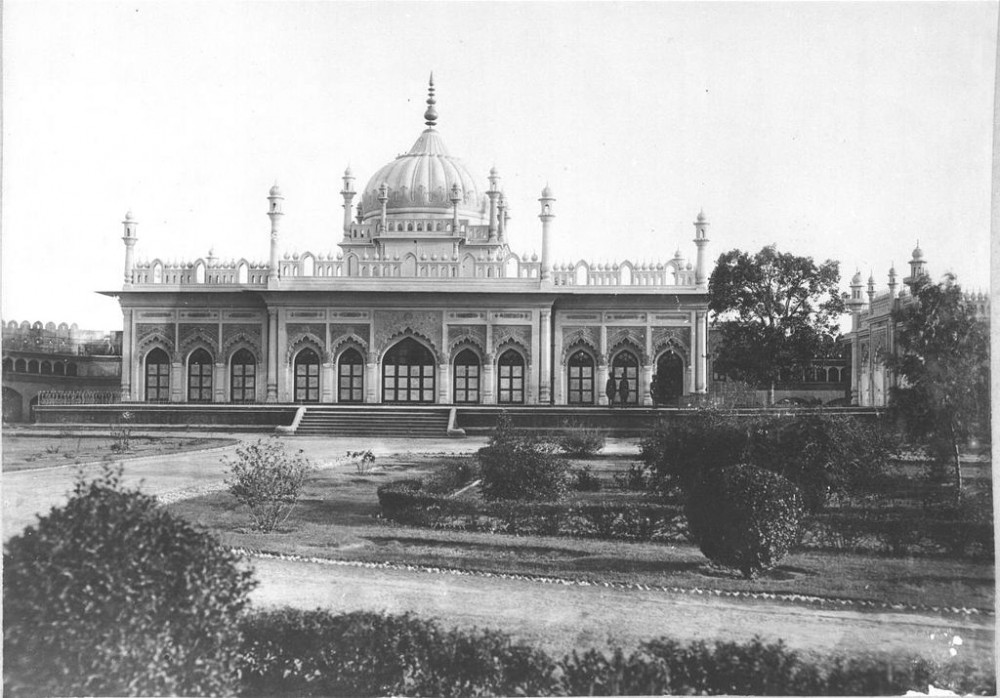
x=112, y=595
x=517, y=466
x=300, y=653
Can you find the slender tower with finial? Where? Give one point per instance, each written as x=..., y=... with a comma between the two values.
x=274, y=212
x=547, y=215
x=431, y=115
x=129, y=238
x=700, y=240
x=348, y=193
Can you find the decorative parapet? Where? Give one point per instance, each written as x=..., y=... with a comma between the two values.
x=582, y=273
x=201, y=271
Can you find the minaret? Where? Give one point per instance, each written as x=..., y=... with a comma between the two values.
x=855, y=303
x=456, y=196
x=871, y=289
x=700, y=240
x=275, y=213
x=502, y=218
x=129, y=238
x=547, y=215
x=493, y=192
x=348, y=193
x=892, y=281
x=918, y=266
x=383, y=198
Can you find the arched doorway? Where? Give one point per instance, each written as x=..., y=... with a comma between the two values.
x=243, y=377
x=408, y=373
x=351, y=376
x=306, y=376
x=467, y=370
x=581, y=378
x=13, y=405
x=510, y=386
x=157, y=376
x=669, y=379
x=199, y=376
x=626, y=365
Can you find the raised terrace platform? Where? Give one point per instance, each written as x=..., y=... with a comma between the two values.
x=423, y=421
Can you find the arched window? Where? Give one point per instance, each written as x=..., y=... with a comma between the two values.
x=510, y=378
x=157, y=375
x=307, y=376
x=59, y=368
x=200, y=376
x=70, y=369
x=243, y=377
x=8, y=365
x=32, y=366
x=351, y=376
x=46, y=368
x=408, y=373
x=669, y=379
x=20, y=366
x=581, y=378
x=626, y=365
x=467, y=371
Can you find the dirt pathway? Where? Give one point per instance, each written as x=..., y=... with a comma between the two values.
x=564, y=618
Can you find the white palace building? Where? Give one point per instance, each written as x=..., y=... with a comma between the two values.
x=425, y=303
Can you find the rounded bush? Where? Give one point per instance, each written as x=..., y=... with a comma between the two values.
x=516, y=466
x=112, y=595
x=744, y=517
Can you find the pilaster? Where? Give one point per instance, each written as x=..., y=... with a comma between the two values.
x=177, y=383
x=272, y=355
x=545, y=358
x=371, y=379
x=219, y=382
x=646, y=382
x=326, y=381
x=489, y=376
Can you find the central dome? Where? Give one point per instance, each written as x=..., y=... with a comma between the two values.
x=419, y=182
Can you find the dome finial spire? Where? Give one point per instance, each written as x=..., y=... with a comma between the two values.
x=431, y=114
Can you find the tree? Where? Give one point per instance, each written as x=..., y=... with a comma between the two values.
x=111, y=594
x=773, y=310
x=942, y=357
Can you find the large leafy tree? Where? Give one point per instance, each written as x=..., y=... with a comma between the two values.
x=942, y=356
x=774, y=310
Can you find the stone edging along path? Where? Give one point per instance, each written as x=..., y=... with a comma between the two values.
x=824, y=602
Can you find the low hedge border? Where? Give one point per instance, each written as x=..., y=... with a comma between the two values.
x=825, y=602
x=411, y=503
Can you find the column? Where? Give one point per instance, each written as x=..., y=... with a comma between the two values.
x=283, y=370
x=489, y=384
x=326, y=380
x=701, y=362
x=371, y=379
x=178, y=384
x=531, y=398
x=645, y=381
x=444, y=384
x=545, y=359
x=602, y=368
x=219, y=382
x=854, y=369
x=127, y=367
x=272, y=355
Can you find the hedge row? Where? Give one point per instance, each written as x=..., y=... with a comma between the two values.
x=313, y=653
x=409, y=502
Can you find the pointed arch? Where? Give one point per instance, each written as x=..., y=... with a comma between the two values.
x=199, y=272
x=199, y=337
x=308, y=264
x=625, y=274
x=156, y=374
x=346, y=341
x=409, y=265
x=243, y=272
x=581, y=273
x=300, y=342
x=627, y=341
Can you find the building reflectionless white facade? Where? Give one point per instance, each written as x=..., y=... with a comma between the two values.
x=425, y=303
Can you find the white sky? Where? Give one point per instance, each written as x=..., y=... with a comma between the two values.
x=842, y=131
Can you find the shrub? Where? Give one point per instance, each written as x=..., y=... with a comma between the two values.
x=267, y=480
x=121, y=433
x=574, y=439
x=451, y=476
x=364, y=461
x=112, y=595
x=585, y=481
x=821, y=453
x=517, y=466
x=313, y=653
x=744, y=518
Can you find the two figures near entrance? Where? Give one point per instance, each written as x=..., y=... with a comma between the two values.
x=617, y=390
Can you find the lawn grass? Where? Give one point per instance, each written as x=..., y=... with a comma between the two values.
x=338, y=518
x=23, y=452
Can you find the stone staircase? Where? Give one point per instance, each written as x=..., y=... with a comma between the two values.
x=386, y=421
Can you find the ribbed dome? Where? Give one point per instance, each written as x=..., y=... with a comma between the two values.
x=420, y=182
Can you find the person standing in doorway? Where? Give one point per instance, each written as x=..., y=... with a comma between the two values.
x=610, y=389
x=623, y=388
